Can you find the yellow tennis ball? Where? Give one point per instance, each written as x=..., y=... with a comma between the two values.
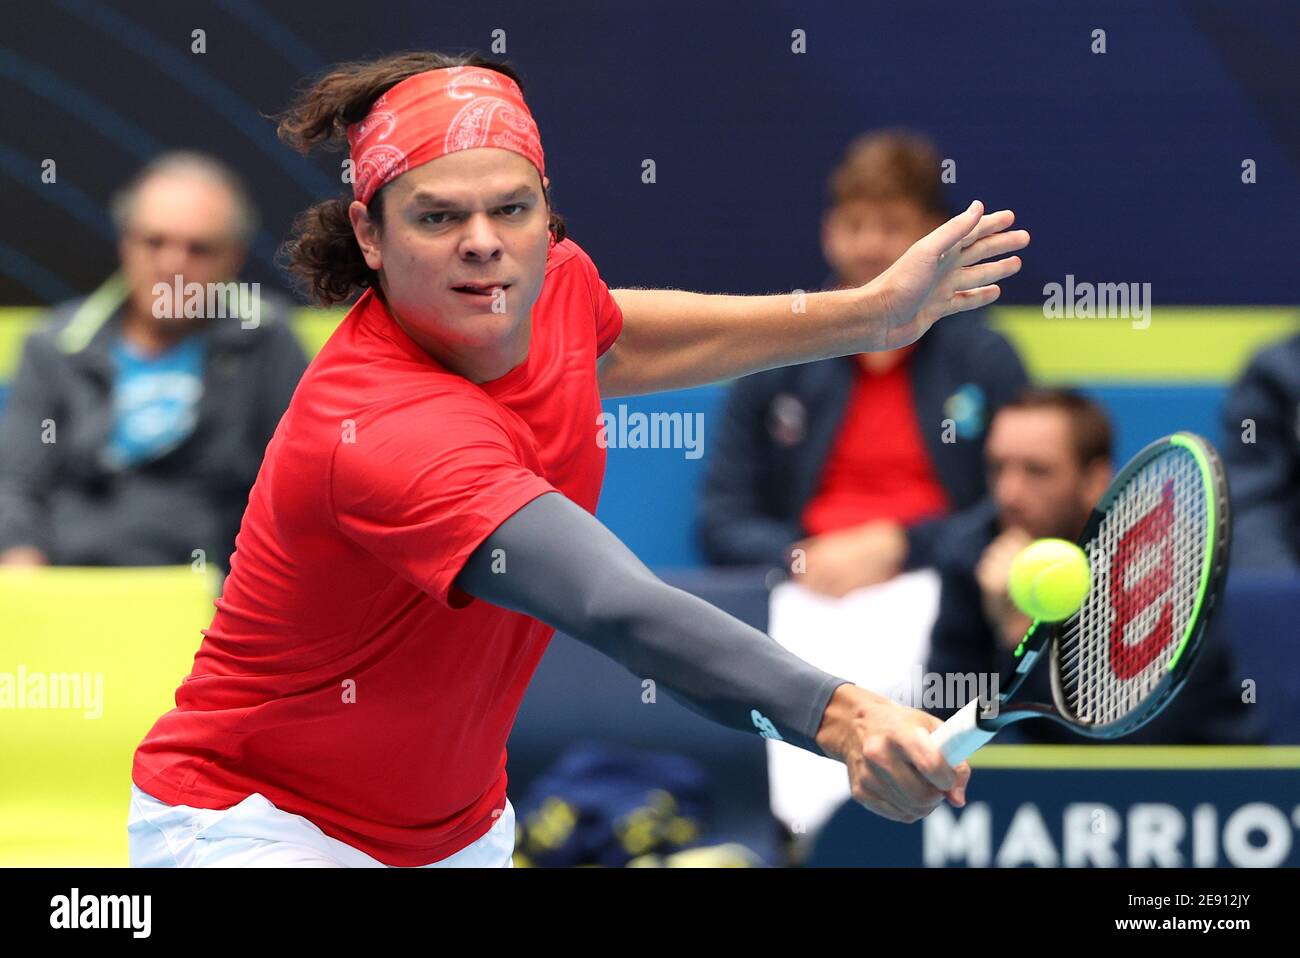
x=1049, y=579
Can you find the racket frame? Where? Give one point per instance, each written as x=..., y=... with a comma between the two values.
x=971, y=727
x=1214, y=570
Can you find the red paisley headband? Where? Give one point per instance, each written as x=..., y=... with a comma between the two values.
x=435, y=113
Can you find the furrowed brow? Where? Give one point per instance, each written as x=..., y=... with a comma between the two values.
x=433, y=201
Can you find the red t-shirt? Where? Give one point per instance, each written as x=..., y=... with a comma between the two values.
x=878, y=467
x=343, y=676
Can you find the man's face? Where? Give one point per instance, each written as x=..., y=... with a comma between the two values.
x=861, y=238
x=180, y=225
x=1035, y=476
x=474, y=217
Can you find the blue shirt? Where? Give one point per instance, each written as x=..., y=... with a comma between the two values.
x=155, y=399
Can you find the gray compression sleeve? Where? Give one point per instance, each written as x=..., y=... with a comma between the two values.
x=554, y=561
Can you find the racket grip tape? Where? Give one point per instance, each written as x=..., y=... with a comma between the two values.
x=960, y=737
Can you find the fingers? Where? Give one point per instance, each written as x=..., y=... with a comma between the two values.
x=988, y=225
x=897, y=771
x=927, y=721
x=972, y=299
x=928, y=760
x=885, y=802
x=995, y=245
x=883, y=807
x=904, y=767
x=952, y=232
x=900, y=783
x=984, y=274
x=957, y=794
x=893, y=812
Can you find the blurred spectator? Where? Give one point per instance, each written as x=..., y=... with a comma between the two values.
x=1049, y=462
x=137, y=420
x=1262, y=456
x=857, y=459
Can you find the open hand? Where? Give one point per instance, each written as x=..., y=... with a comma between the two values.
x=943, y=272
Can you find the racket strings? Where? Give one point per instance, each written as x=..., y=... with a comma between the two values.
x=1147, y=560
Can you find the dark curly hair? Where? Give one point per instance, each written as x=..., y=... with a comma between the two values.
x=322, y=251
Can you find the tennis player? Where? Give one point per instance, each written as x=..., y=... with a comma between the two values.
x=423, y=519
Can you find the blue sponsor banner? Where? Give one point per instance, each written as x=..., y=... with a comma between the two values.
x=1094, y=806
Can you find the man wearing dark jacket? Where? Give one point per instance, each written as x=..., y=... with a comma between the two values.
x=856, y=461
x=138, y=416
x=1262, y=454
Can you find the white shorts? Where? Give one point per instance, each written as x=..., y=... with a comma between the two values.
x=256, y=834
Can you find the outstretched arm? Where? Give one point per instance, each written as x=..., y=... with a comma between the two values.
x=563, y=567
x=672, y=339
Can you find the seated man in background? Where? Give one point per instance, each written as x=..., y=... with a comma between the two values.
x=1049, y=462
x=855, y=460
x=137, y=421
x=1261, y=452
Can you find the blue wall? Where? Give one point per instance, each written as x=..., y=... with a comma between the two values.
x=1125, y=164
x=649, y=494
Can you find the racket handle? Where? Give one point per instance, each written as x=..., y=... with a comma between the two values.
x=959, y=738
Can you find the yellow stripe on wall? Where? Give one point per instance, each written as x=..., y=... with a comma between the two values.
x=1137, y=756
x=1182, y=344
x=314, y=326
x=15, y=323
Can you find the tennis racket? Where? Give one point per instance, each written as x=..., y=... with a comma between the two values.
x=1158, y=546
